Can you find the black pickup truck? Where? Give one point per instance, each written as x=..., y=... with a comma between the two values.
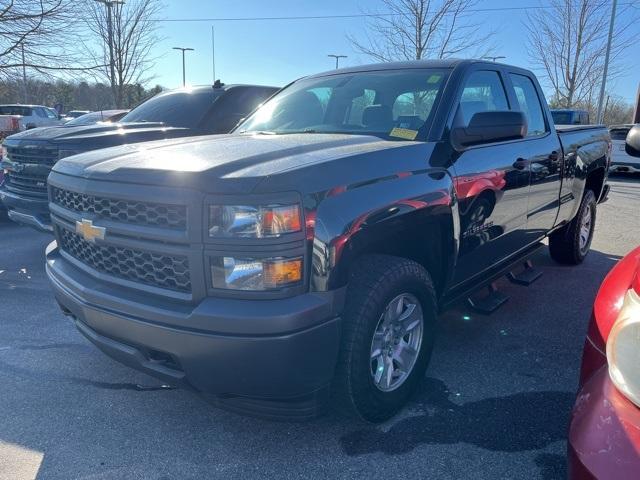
x=183, y=112
x=304, y=258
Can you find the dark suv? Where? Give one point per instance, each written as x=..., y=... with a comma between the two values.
x=183, y=112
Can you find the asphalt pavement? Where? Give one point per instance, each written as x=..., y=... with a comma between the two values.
x=495, y=403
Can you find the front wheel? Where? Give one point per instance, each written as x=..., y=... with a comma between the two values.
x=571, y=243
x=387, y=337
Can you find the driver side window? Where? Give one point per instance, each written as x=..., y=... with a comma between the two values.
x=483, y=92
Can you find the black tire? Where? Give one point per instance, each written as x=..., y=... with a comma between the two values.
x=565, y=245
x=375, y=281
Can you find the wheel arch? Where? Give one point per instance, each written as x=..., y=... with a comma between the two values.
x=429, y=243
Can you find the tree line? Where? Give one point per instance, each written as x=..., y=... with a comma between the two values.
x=78, y=41
x=74, y=95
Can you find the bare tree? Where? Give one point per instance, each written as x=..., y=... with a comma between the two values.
x=134, y=35
x=417, y=29
x=567, y=42
x=34, y=34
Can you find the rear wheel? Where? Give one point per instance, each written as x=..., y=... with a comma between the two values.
x=571, y=243
x=387, y=338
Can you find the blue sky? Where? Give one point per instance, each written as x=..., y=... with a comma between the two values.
x=278, y=51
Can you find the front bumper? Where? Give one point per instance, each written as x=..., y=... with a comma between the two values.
x=604, y=436
x=259, y=349
x=27, y=211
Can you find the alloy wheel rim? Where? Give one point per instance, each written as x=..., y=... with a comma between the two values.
x=585, y=228
x=396, y=342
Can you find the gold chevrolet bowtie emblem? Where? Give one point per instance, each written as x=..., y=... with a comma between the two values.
x=89, y=231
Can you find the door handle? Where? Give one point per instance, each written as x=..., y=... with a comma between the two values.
x=520, y=164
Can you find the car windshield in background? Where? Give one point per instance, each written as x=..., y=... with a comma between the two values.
x=561, y=118
x=15, y=110
x=393, y=104
x=91, y=118
x=180, y=108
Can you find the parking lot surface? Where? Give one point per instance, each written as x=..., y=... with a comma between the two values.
x=495, y=403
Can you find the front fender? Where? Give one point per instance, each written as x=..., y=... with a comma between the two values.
x=410, y=214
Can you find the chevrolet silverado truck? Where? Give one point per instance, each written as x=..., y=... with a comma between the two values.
x=302, y=259
x=176, y=113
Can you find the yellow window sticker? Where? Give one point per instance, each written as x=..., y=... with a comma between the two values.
x=404, y=133
x=434, y=78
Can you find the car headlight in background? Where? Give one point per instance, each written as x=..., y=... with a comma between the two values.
x=247, y=221
x=623, y=348
x=67, y=153
x=255, y=274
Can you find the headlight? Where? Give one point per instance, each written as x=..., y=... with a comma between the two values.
x=623, y=348
x=67, y=153
x=245, y=221
x=255, y=274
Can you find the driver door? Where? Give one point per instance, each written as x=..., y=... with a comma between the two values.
x=491, y=184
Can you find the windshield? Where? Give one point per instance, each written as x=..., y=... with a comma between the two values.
x=15, y=110
x=393, y=104
x=562, y=118
x=93, y=117
x=178, y=108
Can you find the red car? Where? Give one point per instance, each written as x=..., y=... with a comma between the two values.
x=604, y=436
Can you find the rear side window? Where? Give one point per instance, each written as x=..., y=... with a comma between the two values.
x=483, y=92
x=529, y=104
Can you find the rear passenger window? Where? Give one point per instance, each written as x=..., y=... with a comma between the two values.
x=358, y=104
x=483, y=92
x=529, y=104
x=411, y=109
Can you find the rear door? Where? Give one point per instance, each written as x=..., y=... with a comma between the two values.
x=540, y=153
x=491, y=184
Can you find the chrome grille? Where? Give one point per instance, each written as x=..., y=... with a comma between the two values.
x=140, y=213
x=155, y=269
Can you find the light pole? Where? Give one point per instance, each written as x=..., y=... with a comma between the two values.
x=24, y=76
x=493, y=59
x=600, y=118
x=337, y=57
x=109, y=4
x=183, y=49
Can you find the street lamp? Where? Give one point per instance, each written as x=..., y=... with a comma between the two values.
x=493, y=59
x=109, y=4
x=337, y=57
x=182, y=49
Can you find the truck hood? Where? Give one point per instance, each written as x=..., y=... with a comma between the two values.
x=232, y=163
x=90, y=137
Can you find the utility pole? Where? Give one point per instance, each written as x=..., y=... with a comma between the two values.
x=337, y=57
x=25, y=97
x=183, y=49
x=606, y=62
x=109, y=4
x=493, y=59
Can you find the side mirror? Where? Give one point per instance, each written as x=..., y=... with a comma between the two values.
x=489, y=127
x=632, y=146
